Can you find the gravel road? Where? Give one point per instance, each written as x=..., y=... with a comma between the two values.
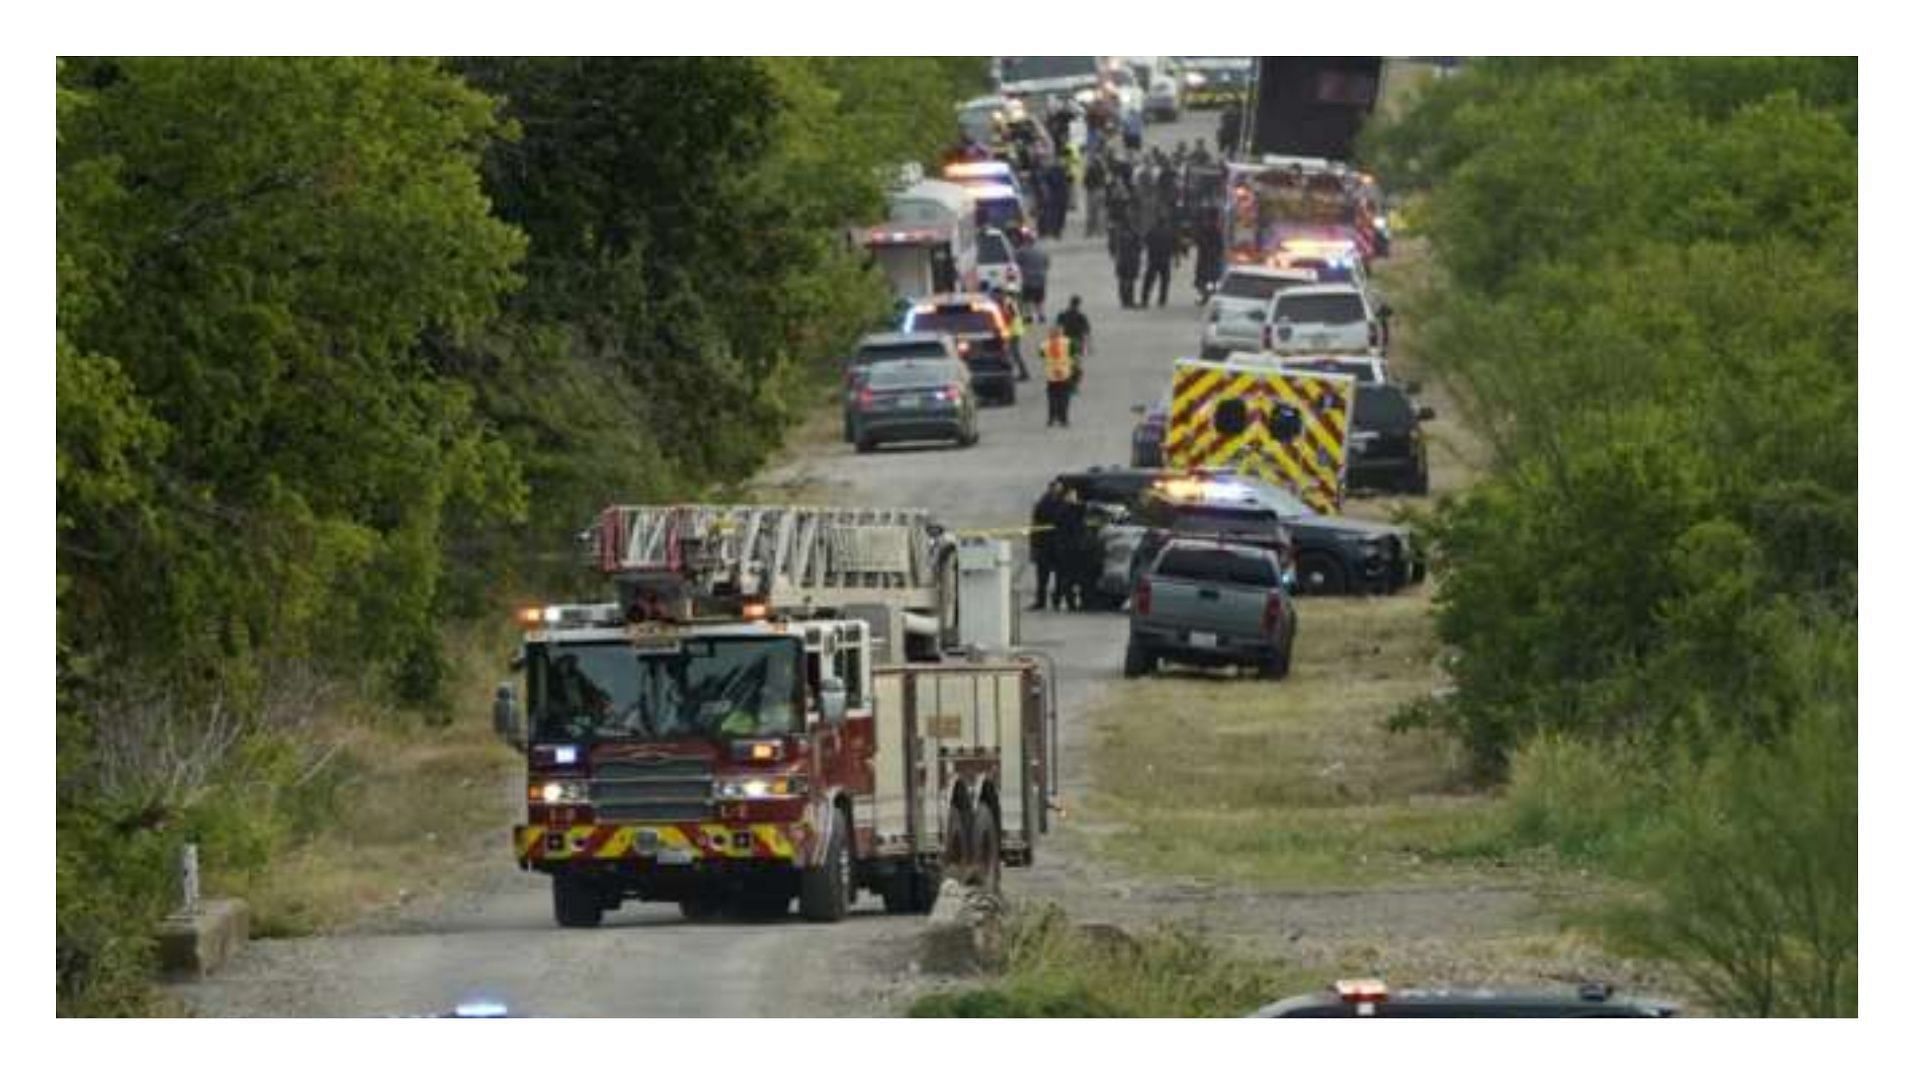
x=645, y=961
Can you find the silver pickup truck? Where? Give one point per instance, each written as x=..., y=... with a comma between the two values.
x=1211, y=604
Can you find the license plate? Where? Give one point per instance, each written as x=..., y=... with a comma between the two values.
x=675, y=857
x=1204, y=641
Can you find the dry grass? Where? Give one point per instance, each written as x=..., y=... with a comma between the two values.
x=1299, y=782
x=424, y=812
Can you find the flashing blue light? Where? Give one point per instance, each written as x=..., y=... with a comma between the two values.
x=481, y=1010
x=566, y=755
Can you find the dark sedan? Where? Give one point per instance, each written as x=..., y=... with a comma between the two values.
x=914, y=401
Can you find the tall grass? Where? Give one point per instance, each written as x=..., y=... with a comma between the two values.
x=1057, y=969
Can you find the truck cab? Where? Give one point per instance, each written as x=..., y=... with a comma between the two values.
x=739, y=731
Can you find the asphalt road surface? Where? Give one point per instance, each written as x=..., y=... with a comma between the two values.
x=645, y=961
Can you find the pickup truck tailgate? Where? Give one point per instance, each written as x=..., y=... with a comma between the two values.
x=1209, y=606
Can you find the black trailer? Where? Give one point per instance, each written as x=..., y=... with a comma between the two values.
x=1312, y=106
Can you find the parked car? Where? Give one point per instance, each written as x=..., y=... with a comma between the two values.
x=1385, y=448
x=1364, y=998
x=913, y=401
x=1213, y=604
x=1164, y=98
x=999, y=206
x=1322, y=318
x=999, y=269
x=1150, y=432
x=1333, y=555
x=980, y=332
x=878, y=348
x=1237, y=310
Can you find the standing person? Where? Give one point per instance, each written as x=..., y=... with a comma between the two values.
x=1069, y=552
x=1058, y=355
x=1073, y=323
x=1043, y=195
x=1126, y=265
x=1016, y=328
x=1160, y=244
x=1044, y=541
x=1059, y=191
x=1096, y=185
x=1207, y=245
x=1034, y=264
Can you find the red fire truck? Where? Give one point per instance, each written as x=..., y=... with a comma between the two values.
x=771, y=710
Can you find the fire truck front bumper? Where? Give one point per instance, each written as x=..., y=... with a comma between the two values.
x=717, y=846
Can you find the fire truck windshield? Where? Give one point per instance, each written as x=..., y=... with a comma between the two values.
x=719, y=687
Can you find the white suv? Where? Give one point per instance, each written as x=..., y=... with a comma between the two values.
x=999, y=269
x=1238, y=308
x=1323, y=318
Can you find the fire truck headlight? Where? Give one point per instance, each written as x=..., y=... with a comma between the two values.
x=760, y=787
x=559, y=792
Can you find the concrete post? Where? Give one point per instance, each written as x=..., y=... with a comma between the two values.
x=190, y=879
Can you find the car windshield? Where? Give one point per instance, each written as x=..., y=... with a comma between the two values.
x=1024, y=68
x=993, y=249
x=900, y=374
x=1217, y=564
x=1382, y=408
x=728, y=687
x=998, y=212
x=954, y=320
x=1360, y=370
x=1327, y=308
x=1256, y=286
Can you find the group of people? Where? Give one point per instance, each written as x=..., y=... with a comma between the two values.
x=1067, y=549
x=1155, y=210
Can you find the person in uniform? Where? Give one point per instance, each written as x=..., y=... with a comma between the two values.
x=1058, y=356
x=1043, y=539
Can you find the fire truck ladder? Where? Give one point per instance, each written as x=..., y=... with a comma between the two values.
x=793, y=557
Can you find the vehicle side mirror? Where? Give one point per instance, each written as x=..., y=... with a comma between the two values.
x=1425, y=413
x=506, y=717
x=833, y=699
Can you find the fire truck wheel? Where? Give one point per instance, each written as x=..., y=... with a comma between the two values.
x=576, y=902
x=826, y=891
x=984, y=871
x=956, y=846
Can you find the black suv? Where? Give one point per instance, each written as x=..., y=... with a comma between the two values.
x=1385, y=451
x=1359, y=998
x=979, y=330
x=1332, y=555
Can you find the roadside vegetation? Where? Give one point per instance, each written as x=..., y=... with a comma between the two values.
x=1646, y=292
x=1057, y=969
x=347, y=349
